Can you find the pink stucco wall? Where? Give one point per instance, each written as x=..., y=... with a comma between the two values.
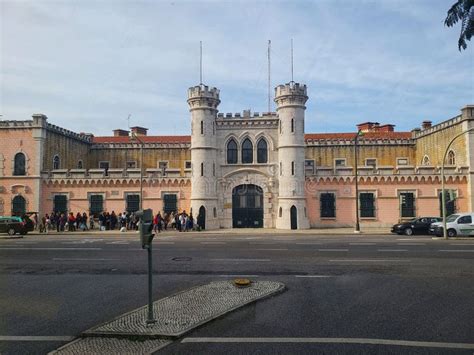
x=387, y=208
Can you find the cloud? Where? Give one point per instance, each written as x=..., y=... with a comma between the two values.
x=88, y=64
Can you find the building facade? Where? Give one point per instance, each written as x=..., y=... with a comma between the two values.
x=243, y=170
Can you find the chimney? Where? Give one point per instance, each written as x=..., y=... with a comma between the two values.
x=385, y=128
x=120, y=133
x=426, y=124
x=139, y=131
x=367, y=126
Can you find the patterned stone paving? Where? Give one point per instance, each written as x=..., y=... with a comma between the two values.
x=178, y=314
x=110, y=346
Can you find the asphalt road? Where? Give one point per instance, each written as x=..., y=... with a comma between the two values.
x=344, y=293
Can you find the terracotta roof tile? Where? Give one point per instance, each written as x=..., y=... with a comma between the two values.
x=365, y=136
x=146, y=139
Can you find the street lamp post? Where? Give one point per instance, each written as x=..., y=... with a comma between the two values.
x=134, y=136
x=443, y=195
x=356, y=173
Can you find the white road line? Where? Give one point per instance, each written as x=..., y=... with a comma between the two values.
x=411, y=244
x=272, y=249
x=26, y=242
x=313, y=276
x=82, y=259
x=239, y=260
x=164, y=243
x=457, y=251
x=369, y=260
x=466, y=244
x=238, y=275
x=362, y=243
x=50, y=248
x=309, y=243
x=424, y=344
x=35, y=338
x=118, y=243
x=333, y=249
x=394, y=250
x=213, y=243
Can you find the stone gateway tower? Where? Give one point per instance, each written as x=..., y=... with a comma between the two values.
x=203, y=102
x=290, y=99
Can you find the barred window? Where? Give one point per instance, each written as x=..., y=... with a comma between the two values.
x=60, y=203
x=232, y=152
x=262, y=152
x=96, y=204
x=170, y=203
x=133, y=203
x=19, y=164
x=407, y=204
x=367, y=204
x=247, y=151
x=327, y=203
x=18, y=206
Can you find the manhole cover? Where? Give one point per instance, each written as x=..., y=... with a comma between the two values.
x=181, y=258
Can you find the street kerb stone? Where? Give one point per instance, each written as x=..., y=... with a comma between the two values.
x=110, y=346
x=178, y=314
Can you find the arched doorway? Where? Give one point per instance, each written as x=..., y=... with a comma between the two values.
x=294, y=217
x=201, y=218
x=18, y=206
x=247, y=206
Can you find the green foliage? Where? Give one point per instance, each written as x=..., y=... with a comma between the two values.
x=462, y=10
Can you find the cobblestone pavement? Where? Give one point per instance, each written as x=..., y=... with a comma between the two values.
x=177, y=314
x=110, y=346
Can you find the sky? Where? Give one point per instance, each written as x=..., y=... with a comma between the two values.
x=90, y=64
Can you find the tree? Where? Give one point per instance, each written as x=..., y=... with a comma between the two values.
x=462, y=10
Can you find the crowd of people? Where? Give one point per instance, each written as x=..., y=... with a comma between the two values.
x=125, y=221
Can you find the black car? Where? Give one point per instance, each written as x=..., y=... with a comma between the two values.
x=13, y=225
x=420, y=225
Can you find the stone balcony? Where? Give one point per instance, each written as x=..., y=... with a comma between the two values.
x=113, y=173
x=387, y=170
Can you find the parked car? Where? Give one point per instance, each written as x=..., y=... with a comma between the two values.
x=418, y=225
x=13, y=225
x=456, y=224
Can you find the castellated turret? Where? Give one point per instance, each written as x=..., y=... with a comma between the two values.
x=203, y=102
x=290, y=99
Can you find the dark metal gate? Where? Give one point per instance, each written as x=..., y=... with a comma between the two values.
x=293, y=217
x=247, y=206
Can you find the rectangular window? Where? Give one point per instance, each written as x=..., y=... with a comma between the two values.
x=133, y=203
x=131, y=164
x=96, y=204
x=367, y=204
x=371, y=162
x=407, y=204
x=292, y=168
x=327, y=203
x=60, y=203
x=170, y=203
x=340, y=162
x=402, y=161
x=187, y=164
x=309, y=165
x=104, y=165
x=163, y=165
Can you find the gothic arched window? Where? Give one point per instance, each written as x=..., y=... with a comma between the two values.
x=451, y=158
x=56, y=162
x=231, y=152
x=19, y=164
x=79, y=164
x=262, y=152
x=247, y=152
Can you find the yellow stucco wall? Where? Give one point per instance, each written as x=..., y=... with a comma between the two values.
x=385, y=154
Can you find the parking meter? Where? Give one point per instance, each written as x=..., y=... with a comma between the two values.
x=146, y=227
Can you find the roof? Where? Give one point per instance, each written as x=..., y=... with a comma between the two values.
x=145, y=139
x=365, y=136
x=312, y=136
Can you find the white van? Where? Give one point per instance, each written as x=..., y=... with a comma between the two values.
x=458, y=224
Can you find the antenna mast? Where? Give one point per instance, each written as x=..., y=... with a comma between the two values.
x=200, y=62
x=269, y=78
x=292, y=60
